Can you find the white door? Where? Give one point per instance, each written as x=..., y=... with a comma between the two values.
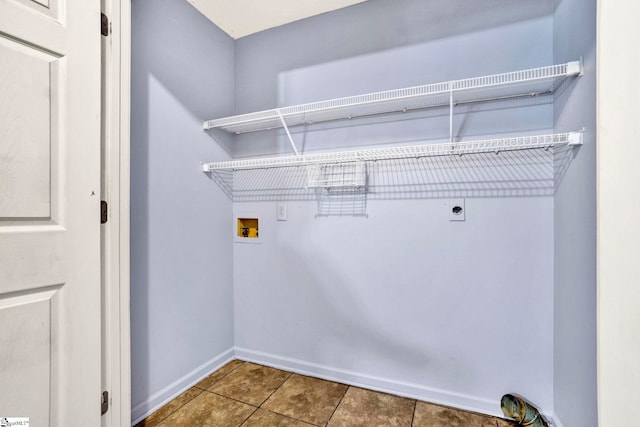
x=49, y=211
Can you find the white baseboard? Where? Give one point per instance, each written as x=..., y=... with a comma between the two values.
x=555, y=422
x=414, y=391
x=162, y=397
x=385, y=385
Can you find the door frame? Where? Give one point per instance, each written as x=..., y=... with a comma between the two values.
x=618, y=205
x=116, y=326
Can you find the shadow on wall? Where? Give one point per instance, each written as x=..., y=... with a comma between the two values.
x=140, y=236
x=168, y=35
x=405, y=123
x=527, y=173
x=342, y=202
x=562, y=158
x=168, y=41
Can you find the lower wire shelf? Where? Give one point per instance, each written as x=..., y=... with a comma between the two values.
x=401, y=152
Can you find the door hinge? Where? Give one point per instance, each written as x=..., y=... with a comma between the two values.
x=104, y=406
x=105, y=25
x=104, y=212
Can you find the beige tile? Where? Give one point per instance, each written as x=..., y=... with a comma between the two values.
x=262, y=418
x=219, y=374
x=250, y=383
x=428, y=415
x=210, y=410
x=307, y=399
x=365, y=408
x=168, y=409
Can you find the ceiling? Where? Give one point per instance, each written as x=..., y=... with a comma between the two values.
x=239, y=18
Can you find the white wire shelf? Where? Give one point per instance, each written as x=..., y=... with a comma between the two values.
x=403, y=152
x=531, y=82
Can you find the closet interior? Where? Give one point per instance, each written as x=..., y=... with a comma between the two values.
x=394, y=195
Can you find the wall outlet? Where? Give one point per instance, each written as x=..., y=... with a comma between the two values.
x=281, y=211
x=456, y=210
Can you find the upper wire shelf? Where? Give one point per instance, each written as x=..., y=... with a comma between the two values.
x=402, y=152
x=531, y=82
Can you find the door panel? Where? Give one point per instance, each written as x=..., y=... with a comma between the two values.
x=49, y=8
x=29, y=334
x=25, y=152
x=49, y=212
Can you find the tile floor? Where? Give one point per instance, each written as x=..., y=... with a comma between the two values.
x=249, y=395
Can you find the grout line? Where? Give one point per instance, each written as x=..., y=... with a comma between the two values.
x=247, y=419
x=172, y=412
x=219, y=379
x=338, y=405
x=277, y=388
x=247, y=403
x=231, y=398
x=291, y=418
x=202, y=390
x=415, y=406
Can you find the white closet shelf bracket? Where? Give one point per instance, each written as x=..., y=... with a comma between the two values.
x=575, y=138
x=523, y=83
x=403, y=152
x=286, y=128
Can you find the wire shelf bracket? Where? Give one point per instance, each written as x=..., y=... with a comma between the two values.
x=286, y=128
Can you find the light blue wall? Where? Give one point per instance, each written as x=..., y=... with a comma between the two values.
x=575, y=224
x=456, y=312
x=380, y=45
x=181, y=276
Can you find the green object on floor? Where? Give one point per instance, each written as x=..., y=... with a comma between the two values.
x=524, y=413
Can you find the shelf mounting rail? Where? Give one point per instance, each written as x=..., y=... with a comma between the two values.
x=403, y=152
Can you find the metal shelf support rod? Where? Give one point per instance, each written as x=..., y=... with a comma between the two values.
x=286, y=129
x=451, y=113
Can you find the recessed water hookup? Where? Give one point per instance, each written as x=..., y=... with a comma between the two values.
x=456, y=210
x=247, y=229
